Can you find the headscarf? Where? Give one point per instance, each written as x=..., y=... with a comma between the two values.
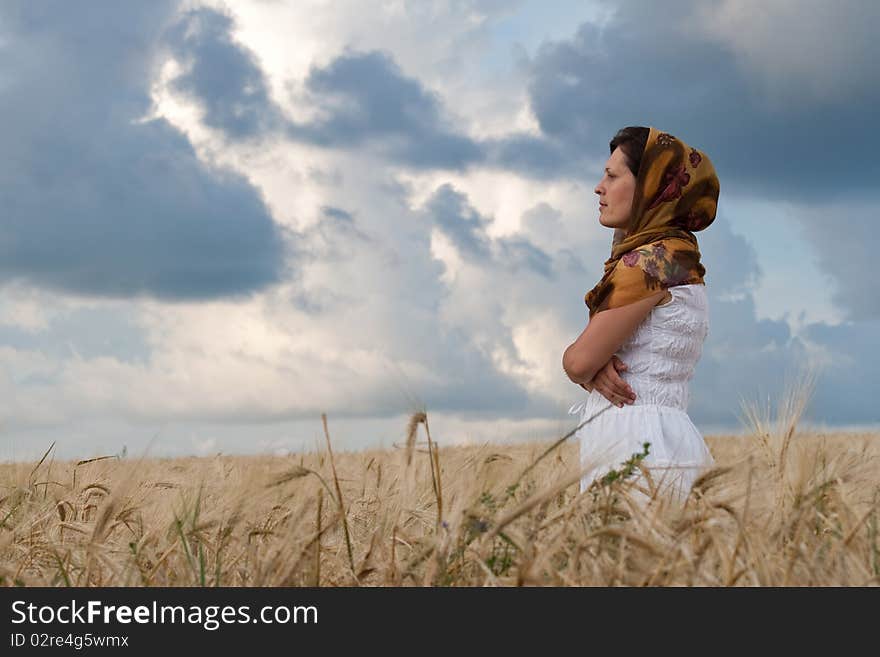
x=676, y=195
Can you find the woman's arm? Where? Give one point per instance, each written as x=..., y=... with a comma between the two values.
x=603, y=336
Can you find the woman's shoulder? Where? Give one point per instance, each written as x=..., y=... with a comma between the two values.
x=690, y=289
x=690, y=300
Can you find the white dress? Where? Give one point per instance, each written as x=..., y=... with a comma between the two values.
x=661, y=356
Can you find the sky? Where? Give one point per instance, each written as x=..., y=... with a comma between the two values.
x=223, y=219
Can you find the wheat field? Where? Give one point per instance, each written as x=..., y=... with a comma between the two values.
x=782, y=507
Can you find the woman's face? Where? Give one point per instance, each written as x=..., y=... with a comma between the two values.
x=616, y=190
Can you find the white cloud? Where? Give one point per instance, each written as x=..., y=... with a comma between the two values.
x=443, y=44
x=23, y=310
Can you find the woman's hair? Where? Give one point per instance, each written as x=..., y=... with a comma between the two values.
x=632, y=141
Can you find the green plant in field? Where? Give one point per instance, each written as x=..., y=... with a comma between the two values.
x=501, y=559
x=488, y=501
x=187, y=530
x=873, y=534
x=629, y=466
x=479, y=521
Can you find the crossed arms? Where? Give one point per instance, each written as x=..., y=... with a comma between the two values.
x=592, y=351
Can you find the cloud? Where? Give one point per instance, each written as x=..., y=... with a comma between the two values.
x=777, y=62
x=751, y=360
x=437, y=261
x=585, y=88
x=845, y=243
x=86, y=333
x=733, y=97
x=365, y=97
x=463, y=225
x=849, y=386
x=225, y=78
x=98, y=200
x=778, y=123
x=358, y=100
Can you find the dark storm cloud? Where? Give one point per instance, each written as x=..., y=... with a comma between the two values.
x=459, y=222
x=367, y=100
x=365, y=97
x=361, y=100
x=541, y=157
x=519, y=253
x=465, y=227
x=750, y=360
x=730, y=260
x=642, y=69
x=846, y=242
x=743, y=357
x=96, y=201
x=225, y=78
x=849, y=386
x=582, y=90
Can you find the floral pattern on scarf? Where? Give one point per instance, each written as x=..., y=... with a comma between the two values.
x=663, y=267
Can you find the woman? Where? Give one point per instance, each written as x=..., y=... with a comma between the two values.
x=650, y=309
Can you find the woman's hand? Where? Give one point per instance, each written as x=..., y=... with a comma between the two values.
x=610, y=385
